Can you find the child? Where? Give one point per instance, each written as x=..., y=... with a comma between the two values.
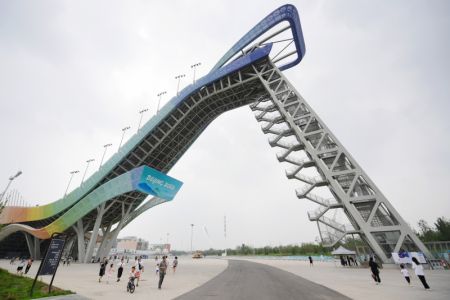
x=137, y=275
x=175, y=264
x=132, y=274
x=419, y=272
x=110, y=272
x=405, y=273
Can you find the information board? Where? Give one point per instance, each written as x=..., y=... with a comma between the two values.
x=51, y=260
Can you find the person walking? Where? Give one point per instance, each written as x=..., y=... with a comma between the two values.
x=110, y=273
x=29, y=263
x=175, y=264
x=157, y=266
x=20, y=267
x=375, y=268
x=418, y=269
x=120, y=270
x=311, y=264
x=162, y=271
x=102, y=269
x=405, y=273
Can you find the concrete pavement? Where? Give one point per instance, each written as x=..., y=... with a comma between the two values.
x=357, y=283
x=83, y=279
x=249, y=280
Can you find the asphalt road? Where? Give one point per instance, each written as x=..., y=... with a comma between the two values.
x=249, y=280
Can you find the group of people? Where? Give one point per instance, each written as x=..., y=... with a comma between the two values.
x=23, y=264
x=348, y=261
x=416, y=265
x=107, y=267
x=66, y=260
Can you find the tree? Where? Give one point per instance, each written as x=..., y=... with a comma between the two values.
x=441, y=232
x=443, y=229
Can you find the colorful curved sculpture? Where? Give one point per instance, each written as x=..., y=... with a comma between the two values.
x=143, y=179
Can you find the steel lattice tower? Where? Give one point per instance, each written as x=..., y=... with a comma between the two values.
x=306, y=143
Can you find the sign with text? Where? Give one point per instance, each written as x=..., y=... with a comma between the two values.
x=156, y=183
x=51, y=260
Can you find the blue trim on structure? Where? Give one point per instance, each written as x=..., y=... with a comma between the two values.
x=286, y=12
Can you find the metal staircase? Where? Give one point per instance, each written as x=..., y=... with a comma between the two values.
x=308, y=146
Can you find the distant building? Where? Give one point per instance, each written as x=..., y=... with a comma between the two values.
x=131, y=244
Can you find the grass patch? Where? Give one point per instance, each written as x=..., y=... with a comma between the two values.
x=13, y=287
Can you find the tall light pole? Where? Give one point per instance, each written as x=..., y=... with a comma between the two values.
x=104, y=152
x=159, y=99
x=87, y=166
x=194, y=66
x=11, y=178
x=225, y=232
x=179, y=79
x=70, y=180
x=123, y=134
x=192, y=234
x=141, y=112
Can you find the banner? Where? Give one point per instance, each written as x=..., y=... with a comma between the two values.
x=406, y=257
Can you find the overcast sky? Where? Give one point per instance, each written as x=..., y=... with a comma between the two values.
x=73, y=73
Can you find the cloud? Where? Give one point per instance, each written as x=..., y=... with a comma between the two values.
x=74, y=73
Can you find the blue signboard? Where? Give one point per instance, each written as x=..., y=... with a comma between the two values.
x=153, y=182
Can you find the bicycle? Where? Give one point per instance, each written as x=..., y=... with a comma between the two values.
x=130, y=286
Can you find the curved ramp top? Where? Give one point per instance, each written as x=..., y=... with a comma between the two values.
x=119, y=162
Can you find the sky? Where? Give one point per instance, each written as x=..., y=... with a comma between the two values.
x=74, y=73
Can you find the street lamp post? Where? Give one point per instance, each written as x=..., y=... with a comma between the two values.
x=192, y=234
x=11, y=178
x=104, y=152
x=179, y=79
x=70, y=180
x=141, y=112
x=123, y=134
x=194, y=66
x=85, y=171
x=159, y=99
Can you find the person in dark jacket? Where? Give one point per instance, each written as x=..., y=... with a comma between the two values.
x=375, y=268
x=120, y=269
x=102, y=269
x=29, y=263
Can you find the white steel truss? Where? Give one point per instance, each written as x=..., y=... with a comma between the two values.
x=307, y=144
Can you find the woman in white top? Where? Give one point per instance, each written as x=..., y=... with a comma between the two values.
x=419, y=272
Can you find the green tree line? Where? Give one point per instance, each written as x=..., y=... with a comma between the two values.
x=439, y=232
x=303, y=249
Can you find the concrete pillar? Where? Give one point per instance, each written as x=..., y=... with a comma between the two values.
x=30, y=244
x=112, y=236
x=105, y=235
x=93, y=240
x=37, y=248
x=79, y=230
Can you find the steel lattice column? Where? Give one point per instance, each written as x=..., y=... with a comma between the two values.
x=298, y=131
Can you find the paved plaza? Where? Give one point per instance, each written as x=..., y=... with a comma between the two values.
x=357, y=283
x=354, y=283
x=83, y=279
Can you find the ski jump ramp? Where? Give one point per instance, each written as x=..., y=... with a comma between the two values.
x=250, y=73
